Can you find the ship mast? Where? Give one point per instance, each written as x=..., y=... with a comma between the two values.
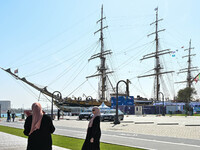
x=189, y=69
x=102, y=68
x=156, y=54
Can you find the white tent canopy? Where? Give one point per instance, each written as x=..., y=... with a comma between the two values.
x=103, y=106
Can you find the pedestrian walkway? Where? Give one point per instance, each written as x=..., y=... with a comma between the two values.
x=13, y=142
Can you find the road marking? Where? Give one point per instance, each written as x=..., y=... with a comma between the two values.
x=183, y=144
x=156, y=141
x=124, y=134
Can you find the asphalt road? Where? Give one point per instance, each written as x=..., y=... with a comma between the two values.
x=128, y=139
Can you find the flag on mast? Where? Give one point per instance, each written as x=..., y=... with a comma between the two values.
x=16, y=71
x=197, y=78
x=156, y=9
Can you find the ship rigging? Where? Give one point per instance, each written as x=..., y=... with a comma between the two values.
x=157, y=70
x=102, y=72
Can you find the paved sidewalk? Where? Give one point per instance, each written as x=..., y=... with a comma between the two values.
x=12, y=142
x=149, y=132
x=175, y=126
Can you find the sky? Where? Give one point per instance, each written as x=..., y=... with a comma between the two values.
x=50, y=42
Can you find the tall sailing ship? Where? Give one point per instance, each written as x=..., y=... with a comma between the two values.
x=103, y=72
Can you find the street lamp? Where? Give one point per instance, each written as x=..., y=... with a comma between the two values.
x=57, y=95
x=116, y=121
x=163, y=112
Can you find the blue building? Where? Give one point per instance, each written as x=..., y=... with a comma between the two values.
x=125, y=104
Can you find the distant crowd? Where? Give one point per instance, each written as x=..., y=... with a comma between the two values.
x=9, y=115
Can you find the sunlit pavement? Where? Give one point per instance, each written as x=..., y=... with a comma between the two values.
x=148, y=132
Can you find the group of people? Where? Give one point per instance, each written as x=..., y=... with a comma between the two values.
x=39, y=127
x=9, y=116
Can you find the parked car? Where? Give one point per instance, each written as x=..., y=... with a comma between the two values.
x=85, y=115
x=110, y=115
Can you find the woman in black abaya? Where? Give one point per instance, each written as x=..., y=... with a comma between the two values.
x=93, y=132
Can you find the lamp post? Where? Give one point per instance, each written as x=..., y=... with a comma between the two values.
x=163, y=112
x=116, y=121
x=56, y=95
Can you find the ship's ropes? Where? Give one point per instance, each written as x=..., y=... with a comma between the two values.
x=110, y=83
x=82, y=61
x=77, y=88
x=138, y=87
x=132, y=51
x=164, y=88
x=166, y=79
x=133, y=57
x=92, y=86
x=111, y=58
x=68, y=84
x=133, y=23
x=170, y=79
x=50, y=100
x=25, y=87
x=40, y=59
x=52, y=66
x=29, y=53
x=113, y=76
x=197, y=88
x=76, y=62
